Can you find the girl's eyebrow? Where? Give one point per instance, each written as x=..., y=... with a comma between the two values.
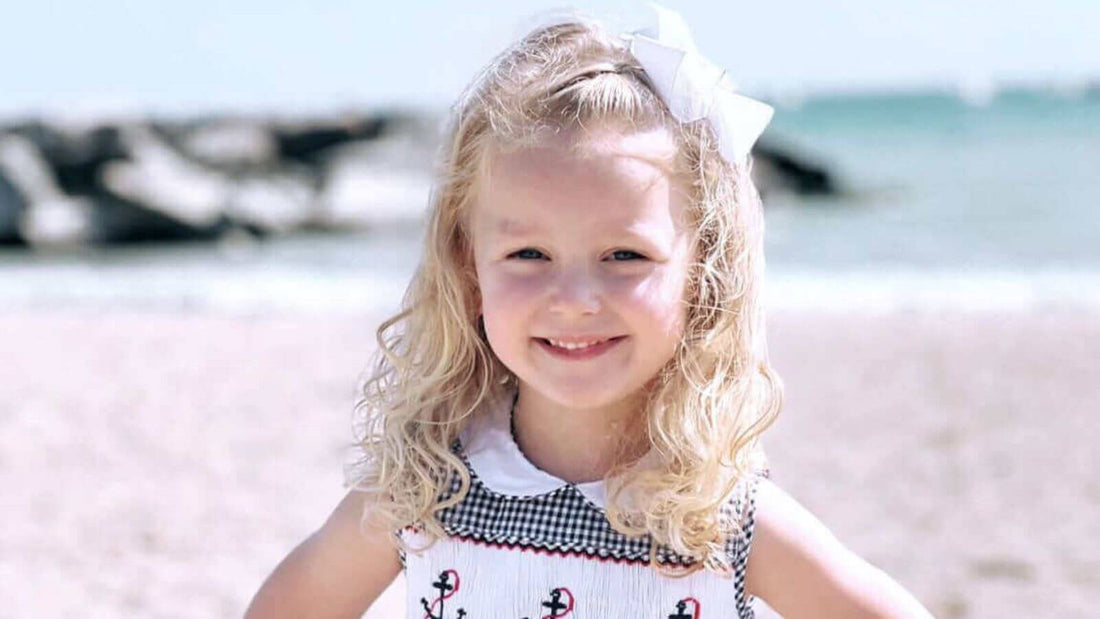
x=506, y=226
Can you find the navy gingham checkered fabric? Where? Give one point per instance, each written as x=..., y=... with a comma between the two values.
x=566, y=522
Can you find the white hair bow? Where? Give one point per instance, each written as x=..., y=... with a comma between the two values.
x=694, y=87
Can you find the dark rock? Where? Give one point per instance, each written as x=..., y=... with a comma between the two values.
x=794, y=173
x=310, y=143
x=12, y=206
x=77, y=162
x=119, y=220
x=76, y=158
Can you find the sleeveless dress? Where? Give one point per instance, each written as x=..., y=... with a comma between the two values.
x=524, y=544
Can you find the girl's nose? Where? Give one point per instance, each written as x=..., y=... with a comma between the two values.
x=575, y=292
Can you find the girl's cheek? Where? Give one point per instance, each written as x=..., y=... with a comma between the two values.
x=661, y=302
x=661, y=293
x=499, y=287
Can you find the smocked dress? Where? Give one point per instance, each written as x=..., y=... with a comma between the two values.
x=524, y=544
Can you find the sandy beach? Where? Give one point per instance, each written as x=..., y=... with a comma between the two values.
x=160, y=464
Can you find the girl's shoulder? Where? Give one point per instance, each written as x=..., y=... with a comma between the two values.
x=787, y=539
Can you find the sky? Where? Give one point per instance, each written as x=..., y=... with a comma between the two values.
x=208, y=55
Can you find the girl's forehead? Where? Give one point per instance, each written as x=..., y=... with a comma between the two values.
x=601, y=178
x=587, y=145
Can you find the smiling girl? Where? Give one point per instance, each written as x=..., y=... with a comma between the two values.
x=565, y=418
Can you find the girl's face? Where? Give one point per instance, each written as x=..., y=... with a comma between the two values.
x=582, y=260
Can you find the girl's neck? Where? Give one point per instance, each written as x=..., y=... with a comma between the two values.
x=575, y=445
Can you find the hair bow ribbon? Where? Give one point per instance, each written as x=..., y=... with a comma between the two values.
x=694, y=87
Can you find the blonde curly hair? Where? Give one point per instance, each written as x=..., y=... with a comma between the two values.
x=707, y=407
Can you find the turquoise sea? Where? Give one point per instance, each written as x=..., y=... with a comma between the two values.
x=946, y=184
x=948, y=204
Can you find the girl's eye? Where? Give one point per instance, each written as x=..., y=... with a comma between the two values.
x=527, y=253
x=620, y=255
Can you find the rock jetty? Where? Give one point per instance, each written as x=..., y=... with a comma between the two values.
x=142, y=180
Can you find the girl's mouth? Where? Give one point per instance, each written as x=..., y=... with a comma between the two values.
x=577, y=351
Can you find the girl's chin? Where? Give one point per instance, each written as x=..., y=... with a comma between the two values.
x=582, y=395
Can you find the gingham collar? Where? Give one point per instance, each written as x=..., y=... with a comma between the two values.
x=497, y=460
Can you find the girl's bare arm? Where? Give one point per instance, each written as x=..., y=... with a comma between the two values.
x=336, y=572
x=800, y=569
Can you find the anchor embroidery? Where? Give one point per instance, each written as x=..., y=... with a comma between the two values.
x=446, y=590
x=560, y=604
x=681, y=609
x=556, y=605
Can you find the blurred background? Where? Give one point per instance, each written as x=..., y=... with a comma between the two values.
x=206, y=209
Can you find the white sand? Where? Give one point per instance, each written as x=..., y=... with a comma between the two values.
x=162, y=464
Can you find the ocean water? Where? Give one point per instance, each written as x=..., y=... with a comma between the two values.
x=939, y=183
x=947, y=204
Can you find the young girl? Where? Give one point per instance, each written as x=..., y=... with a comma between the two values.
x=565, y=418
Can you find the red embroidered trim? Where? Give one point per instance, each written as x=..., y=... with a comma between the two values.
x=552, y=552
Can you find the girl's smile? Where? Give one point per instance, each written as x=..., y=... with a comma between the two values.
x=578, y=348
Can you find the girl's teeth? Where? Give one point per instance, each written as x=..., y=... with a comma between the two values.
x=573, y=346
